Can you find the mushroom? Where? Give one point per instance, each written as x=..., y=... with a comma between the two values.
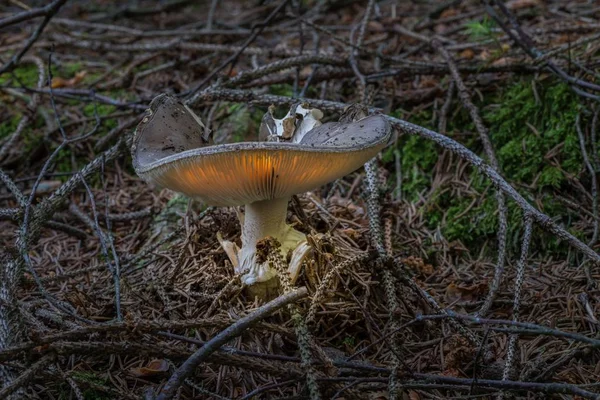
x=173, y=149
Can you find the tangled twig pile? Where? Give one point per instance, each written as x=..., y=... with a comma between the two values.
x=110, y=289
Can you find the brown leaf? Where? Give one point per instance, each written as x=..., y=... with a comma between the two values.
x=520, y=4
x=428, y=83
x=351, y=233
x=458, y=352
x=376, y=26
x=485, y=55
x=451, y=372
x=40, y=349
x=467, y=54
x=379, y=395
x=501, y=61
x=412, y=395
x=449, y=12
x=462, y=293
x=154, y=368
x=58, y=82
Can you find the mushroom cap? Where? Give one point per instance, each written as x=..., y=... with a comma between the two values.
x=170, y=149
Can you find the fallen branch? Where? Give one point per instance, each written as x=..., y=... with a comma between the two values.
x=49, y=11
x=27, y=376
x=464, y=96
x=512, y=341
x=188, y=367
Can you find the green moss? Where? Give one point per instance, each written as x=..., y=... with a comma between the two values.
x=69, y=70
x=524, y=131
x=533, y=134
x=107, y=124
x=480, y=30
x=236, y=123
x=88, y=393
x=417, y=158
x=9, y=126
x=484, y=30
x=26, y=74
x=283, y=89
x=102, y=109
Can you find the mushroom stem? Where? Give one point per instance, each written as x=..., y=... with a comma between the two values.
x=262, y=219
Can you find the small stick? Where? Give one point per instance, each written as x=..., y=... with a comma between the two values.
x=465, y=97
x=232, y=331
x=593, y=175
x=233, y=58
x=49, y=13
x=27, y=376
x=512, y=342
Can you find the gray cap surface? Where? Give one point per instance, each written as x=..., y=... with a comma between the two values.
x=170, y=149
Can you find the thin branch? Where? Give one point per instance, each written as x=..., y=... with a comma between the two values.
x=27, y=376
x=521, y=264
x=275, y=258
x=529, y=328
x=232, y=59
x=593, y=176
x=211, y=14
x=12, y=187
x=223, y=337
x=524, y=41
x=31, y=107
x=27, y=15
x=463, y=93
x=32, y=224
x=48, y=14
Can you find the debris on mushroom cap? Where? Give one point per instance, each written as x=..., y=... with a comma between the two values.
x=171, y=151
x=311, y=118
x=354, y=112
x=298, y=121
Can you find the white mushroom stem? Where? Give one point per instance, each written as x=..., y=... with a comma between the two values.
x=262, y=219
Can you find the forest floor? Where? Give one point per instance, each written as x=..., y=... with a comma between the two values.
x=486, y=280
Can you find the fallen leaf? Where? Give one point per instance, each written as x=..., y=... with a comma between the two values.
x=58, y=82
x=428, y=83
x=154, y=368
x=449, y=12
x=351, y=233
x=412, y=395
x=379, y=395
x=376, y=26
x=451, y=372
x=501, y=61
x=485, y=55
x=458, y=352
x=461, y=294
x=467, y=54
x=520, y=4
x=565, y=38
x=39, y=349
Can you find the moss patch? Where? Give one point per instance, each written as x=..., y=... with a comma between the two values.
x=532, y=128
x=9, y=126
x=26, y=74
